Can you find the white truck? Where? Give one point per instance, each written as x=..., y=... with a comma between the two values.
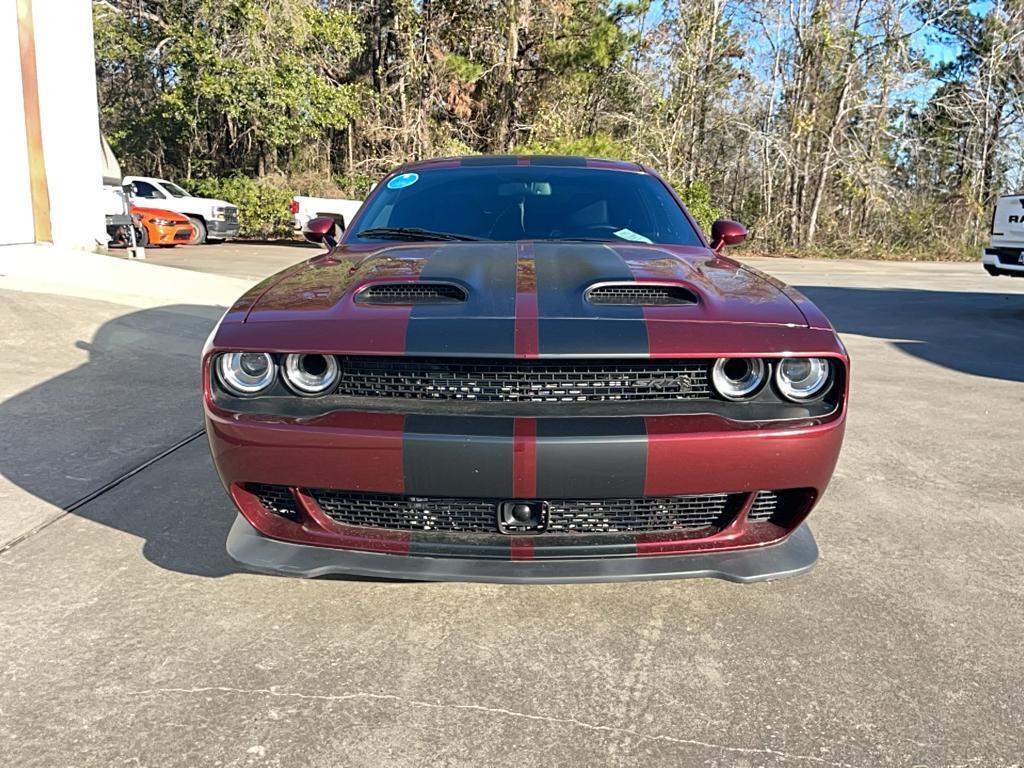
x=1005, y=253
x=305, y=208
x=212, y=220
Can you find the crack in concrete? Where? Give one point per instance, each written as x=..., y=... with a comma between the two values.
x=571, y=721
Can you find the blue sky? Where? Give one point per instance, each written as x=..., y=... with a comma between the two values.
x=939, y=49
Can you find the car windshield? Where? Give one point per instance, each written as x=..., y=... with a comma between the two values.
x=175, y=190
x=534, y=202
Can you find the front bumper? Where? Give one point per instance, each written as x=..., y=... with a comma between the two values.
x=174, y=234
x=470, y=458
x=222, y=229
x=792, y=556
x=1003, y=261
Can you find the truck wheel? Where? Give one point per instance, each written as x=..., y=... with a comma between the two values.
x=199, y=227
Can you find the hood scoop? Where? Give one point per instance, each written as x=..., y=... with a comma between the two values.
x=411, y=293
x=640, y=294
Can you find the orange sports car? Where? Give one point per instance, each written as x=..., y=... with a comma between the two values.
x=154, y=226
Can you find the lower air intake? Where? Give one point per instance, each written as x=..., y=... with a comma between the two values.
x=275, y=498
x=764, y=506
x=565, y=516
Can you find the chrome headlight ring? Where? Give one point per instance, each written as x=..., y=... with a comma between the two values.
x=738, y=378
x=800, y=379
x=246, y=373
x=310, y=375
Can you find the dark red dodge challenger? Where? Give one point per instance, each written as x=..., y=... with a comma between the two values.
x=524, y=369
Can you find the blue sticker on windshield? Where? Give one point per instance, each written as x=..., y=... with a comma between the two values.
x=403, y=180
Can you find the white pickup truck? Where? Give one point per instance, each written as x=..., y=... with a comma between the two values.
x=1005, y=253
x=306, y=208
x=212, y=220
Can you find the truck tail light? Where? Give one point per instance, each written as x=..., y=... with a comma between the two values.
x=294, y=207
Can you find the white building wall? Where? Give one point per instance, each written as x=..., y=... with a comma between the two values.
x=15, y=198
x=69, y=119
x=65, y=63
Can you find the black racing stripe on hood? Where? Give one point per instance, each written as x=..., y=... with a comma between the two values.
x=567, y=322
x=488, y=160
x=562, y=161
x=459, y=456
x=483, y=325
x=603, y=458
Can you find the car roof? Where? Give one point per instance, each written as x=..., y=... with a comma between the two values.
x=493, y=161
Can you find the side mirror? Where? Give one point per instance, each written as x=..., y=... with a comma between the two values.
x=322, y=230
x=129, y=189
x=725, y=232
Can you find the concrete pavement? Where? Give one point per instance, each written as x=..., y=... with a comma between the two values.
x=250, y=261
x=97, y=371
x=128, y=637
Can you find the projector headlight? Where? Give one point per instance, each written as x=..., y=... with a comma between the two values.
x=736, y=378
x=802, y=378
x=246, y=373
x=309, y=375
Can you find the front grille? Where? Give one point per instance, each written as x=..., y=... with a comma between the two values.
x=411, y=293
x=638, y=515
x=522, y=380
x=276, y=498
x=231, y=213
x=183, y=234
x=408, y=513
x=764, y=506
x=640, y=294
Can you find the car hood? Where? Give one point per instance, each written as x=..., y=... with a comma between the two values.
x=519, y=298
x=160, y=213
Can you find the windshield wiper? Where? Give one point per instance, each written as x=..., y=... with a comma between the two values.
x=411, y=233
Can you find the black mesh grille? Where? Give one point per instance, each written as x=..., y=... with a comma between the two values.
x=411, y=293
x=641, y=294
x=522, y=380
x=565, y=516
x=408, y=513
x=764, y=506
x=638, y=515
x=276, y=498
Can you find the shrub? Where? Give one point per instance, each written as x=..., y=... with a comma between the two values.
x=697, y=196
x=262, y=203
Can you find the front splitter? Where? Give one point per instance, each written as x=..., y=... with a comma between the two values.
x=795, y=555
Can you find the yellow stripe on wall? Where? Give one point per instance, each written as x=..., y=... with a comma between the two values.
x=33, y=126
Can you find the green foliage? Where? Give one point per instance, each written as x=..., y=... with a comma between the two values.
x=247, y=79
x=464, y=68
x=262, y=203
x=811, y=124
x=355, y=186
x=697, y=196
x=598, y=145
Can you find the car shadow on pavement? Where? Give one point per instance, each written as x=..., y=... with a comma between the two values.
x=137, y=395
x=976, y=333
